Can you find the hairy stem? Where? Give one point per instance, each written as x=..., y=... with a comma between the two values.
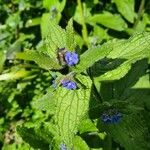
x=84, y=28
x=140, y=13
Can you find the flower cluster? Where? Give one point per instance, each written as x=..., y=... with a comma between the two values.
x=69, y=84
x=71, y=58
x=111, y=118
x=66, y=58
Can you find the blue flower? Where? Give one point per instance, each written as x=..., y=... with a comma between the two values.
x=106, y=118
x=71, y=58
x=114, y=118
x=69, y=84
x=63, y=147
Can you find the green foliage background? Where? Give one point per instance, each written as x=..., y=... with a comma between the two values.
x=112, y=38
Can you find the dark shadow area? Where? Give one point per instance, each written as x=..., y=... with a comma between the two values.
x=92, y=140
x=104, y=65
x=132, y=90
x=119, y=89
x=94, y=104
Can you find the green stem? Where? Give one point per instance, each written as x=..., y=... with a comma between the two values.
x=84, y=28
x=140, y=13
x=108, y=143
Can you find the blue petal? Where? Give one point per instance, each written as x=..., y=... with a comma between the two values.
x=69, y=84
x=106, y=118
x=71, y=58
x=63, y=147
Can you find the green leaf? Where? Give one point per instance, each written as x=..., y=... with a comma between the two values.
x=88, y=58
x=17, y=45
x=133, y=49
x=46, y=102
x=36, y=138
x=79, y=144
x=53, y=35
x=123, y=87
x=99, y=34
x=59, y=5
x=143, y=83
x=112, y=21
x=33, y=22
x=117, y=73
x=129, y=133
x=71, y=107
x=44, y=24
x=15, y=145
x=126, y=8
x=44, y=61
x=78, y=13
x=70, y=39
x=136, y=45
x=79, y=41
x=17, y=74
x=2, y=60
x=87, y=126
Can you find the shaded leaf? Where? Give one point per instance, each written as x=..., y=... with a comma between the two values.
x=129, y=133
x=133, y=49
x=38, y=138
x=94, y=54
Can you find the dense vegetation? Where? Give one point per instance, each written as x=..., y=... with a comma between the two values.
x=75, y=75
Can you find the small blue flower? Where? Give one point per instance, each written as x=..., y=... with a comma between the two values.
x=111, y=118
x=106, y=118
x=69, y=84
x=71, y=58
x=63, y=147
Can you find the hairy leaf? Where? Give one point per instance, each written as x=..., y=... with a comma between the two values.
x=136, y=45
x=70, y=39
x=134, y=49
x=71, y=107
x=53, y=35
x=43, y=60
x=94, y=54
